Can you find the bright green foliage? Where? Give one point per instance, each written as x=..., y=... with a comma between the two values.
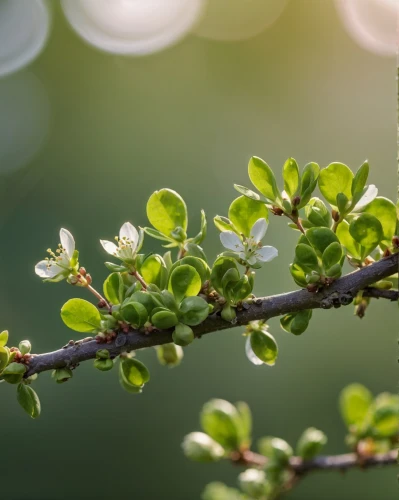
x=114, y=288
x=296, y=323
x=81, y=316
x=29, y=401
x=384, y=210
x=317, y=214
x=355, y=401
x=4, y=357
x=367, y=231
x=264, y=344
x=243, y=213
x=154, y=270
x=133, y=374
x=335, y=179
x=167, y=211
x=311, y=443
x=3, y=338
x=291, y=178
x=184, y=282
x=262, y=177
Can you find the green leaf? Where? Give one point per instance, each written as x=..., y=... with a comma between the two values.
x=296, y=323
x=334, y=179
x=115, y=268
x=134, y=372
x=355, y=401
x=202, y=234
x=245, y=427
x=332, y=255
x=194, y=250
x=81, y=316
x=184, y=282
x=275, y=449
x=310, y=443
x=306, y=257
x=360, y=179
x=199, y=265
x=154, y=270
x=309, y=178
x=298, y=274
x=166, y=211
x=219, y=491
x=193, y=311
x=220, y=420
x=29, y=400
x=342, y=204
x=224, y=224
x=244, y=212
x=158, y=235
x=134, y=313
x=385, y=211
x=4, y=357
x=264, y=346
x=13, y=373
x=317, y=213
x=128, y=387
x=182, y=335
x=241, y=289
x=250, y=194
x=114, y=288
x=220, y=267
x=263, y=179
x=164, y=319
x=385, y=418
x=367, y=231
x=346, y=240
x=320, y=238
x=200, y=447
x=144, y=298
x=169, y=301
x=3, y=338
x=291, y=177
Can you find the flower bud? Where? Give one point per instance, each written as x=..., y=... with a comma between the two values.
x=200, y=447
x=82, y=271
x=182, y=335
x=253, y=482
x=24, y=347
x=179, y=234
x=169, y=354
x=89, y=279
x=61, y=375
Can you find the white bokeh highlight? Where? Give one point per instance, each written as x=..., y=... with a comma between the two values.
x=373, y=24
x=24, y=120
x=231, y=20
x=132, y=27
x=24, y=28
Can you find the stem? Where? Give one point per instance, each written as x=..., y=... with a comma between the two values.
x=99, y=297
x=140, y=279
x=296, y=220
x=181, y=253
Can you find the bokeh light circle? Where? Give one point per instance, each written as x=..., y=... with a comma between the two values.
x=230, y=20
x=132, y=27
x=373, y=24
x=24, y=27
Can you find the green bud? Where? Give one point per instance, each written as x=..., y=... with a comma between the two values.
x=169, y=354
x=179, y=234
x=182, y=335
x=253, y=482
x=276, y=449
x=25, y=347
x=62, y=375
x=200, y=447
x=310, y=443
x=102, y=354
x=221, y=420
x=228, y=313
x=14, y=373
x=103, y=364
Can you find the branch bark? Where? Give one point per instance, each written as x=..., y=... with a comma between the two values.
x=334, y=462
x=341, y=292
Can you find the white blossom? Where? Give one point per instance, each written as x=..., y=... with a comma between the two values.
x=250, y=249
x=61, y=262
x=128, y=243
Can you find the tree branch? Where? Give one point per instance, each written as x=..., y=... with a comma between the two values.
x=334, y=462
x=341, y=292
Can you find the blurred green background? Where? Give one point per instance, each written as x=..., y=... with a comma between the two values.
x=113, y=130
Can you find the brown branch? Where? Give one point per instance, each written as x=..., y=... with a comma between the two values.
x=341, y=292
x=334, y=462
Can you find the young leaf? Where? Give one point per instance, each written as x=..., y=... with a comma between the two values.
x=320, y=238
x=154, y=270
x=13, y=373
x=244, y=212
x=317, y=213
x=332, y=255
x=385, y=211
x=184, y=282
x=4, y=357
x=306, y=257
x=264, y=346
x=134, y=313
x=354, y=402
x=291, y=177
x=346, y=240
x=166, y=210
x=3, y=338
x=114, y=288
x=134, y=372
x=360, y=179
x=81, y=316
x=220, y=267
x=198, y=264
x=200, y=447
x=193, y=311
x=275, y=449
x=250, y=194
x=164, y=319
x=169, y=354
x=262, y=177
x=367, y=231
x=309, y=178
x=311, y=443
x=334, y=179
x=202, y=234
x=220, y=420
x=385, y=418
x=296, y=323
x=29, y=400
x=182, y=335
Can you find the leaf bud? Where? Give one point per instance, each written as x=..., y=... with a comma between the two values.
x=296, y=200
x=103, y=364
x=335, y=215
x=61, y=375
x=228, y=313
x=13, y=373
x=253, y=482
x=310, y=443
x=25, y=347
x=200, y=447
x=182, y=335
x=169, y=354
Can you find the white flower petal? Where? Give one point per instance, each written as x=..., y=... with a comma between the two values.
x=109, y=247
x=67, y=242
x=368, y=197
x=129, y=232
x=259, y=229
x=231, y=241
x=43, y=269
x=253, y=358
x=266, y=254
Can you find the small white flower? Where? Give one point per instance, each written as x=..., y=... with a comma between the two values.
x=128, y=243
x=250, y=249
x=61, y=262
